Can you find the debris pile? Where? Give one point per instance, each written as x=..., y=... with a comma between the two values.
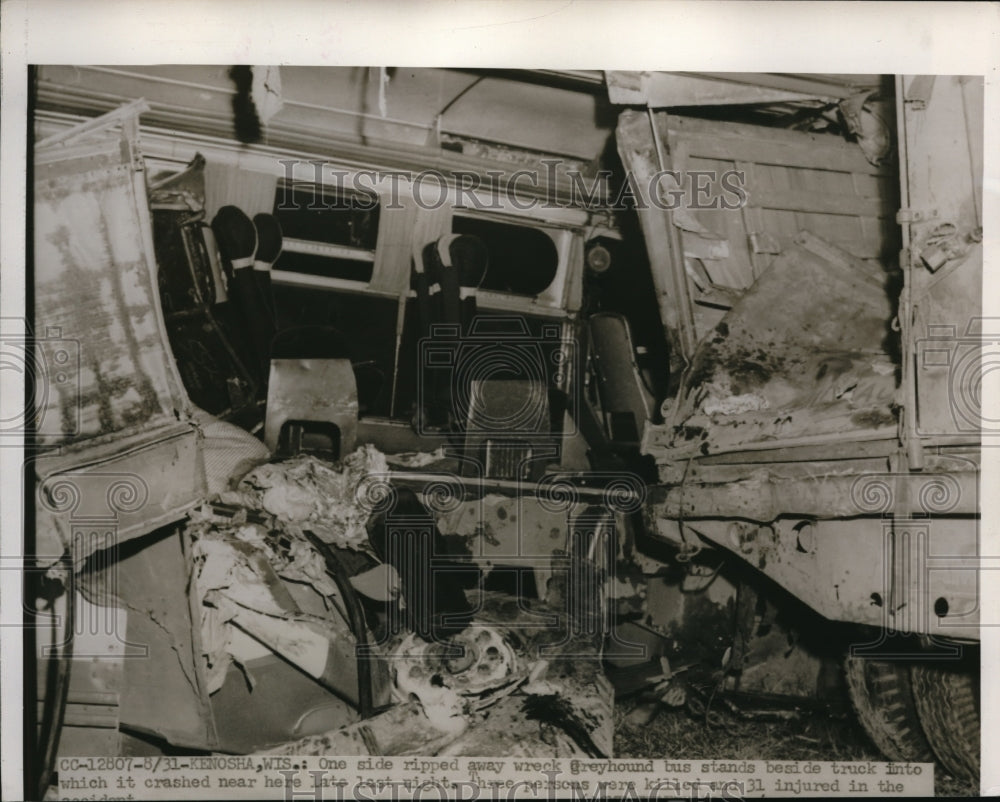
x=261, y=584
x=239, y=568
x=264, y=585
x=503, y=687
x=303, y=492
x=469, y=672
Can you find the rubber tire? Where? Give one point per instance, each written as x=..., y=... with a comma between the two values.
x=947, y=702
x=883, y=698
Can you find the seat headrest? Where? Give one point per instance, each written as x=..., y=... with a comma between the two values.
x=268, y=239
x=464, y=252
x=236, y=236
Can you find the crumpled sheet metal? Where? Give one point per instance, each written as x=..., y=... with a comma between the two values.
x=238, y=573
x=304, y=492
x=866, y=118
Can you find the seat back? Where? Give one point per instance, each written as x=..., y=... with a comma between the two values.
x=626, y=401
x=507, y=429
x=312, y=394
x=446, y=266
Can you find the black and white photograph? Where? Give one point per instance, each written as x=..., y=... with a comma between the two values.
x=488, y=430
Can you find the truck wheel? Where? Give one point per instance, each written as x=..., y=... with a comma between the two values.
x=883, y=699
x=947, y=703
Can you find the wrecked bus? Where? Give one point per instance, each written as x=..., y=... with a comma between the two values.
x=388, y=411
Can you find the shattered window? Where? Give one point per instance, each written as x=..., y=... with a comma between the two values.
x=327, y=232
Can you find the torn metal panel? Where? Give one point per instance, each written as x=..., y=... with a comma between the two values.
x=164, y=692
x=108, y=393
x=240, y=576
x=284, y=704
x=97, y=314
x=327, y=657
x=803, y=356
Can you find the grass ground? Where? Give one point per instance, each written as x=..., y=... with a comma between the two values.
x=816, y=736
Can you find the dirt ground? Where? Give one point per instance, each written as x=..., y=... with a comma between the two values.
x=674, y=733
